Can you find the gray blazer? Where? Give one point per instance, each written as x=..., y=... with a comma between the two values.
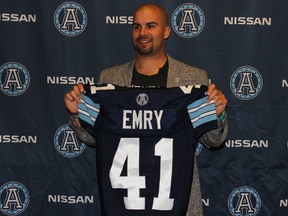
x=178, y=74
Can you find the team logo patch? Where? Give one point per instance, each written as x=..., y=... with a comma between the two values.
x=14, y=79
x=14, y=198
x=66, y=142
x=188, y=20
x=246, y=83
x=244, y=201
x=142, y=99
x=70, y=19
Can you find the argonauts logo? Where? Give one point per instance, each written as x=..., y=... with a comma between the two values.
x=66, y=142
x=70, y=19
x=244, y=201
x=188, y=20
x=14, y=198
x=14, y=79
x=142, y=99
x=246, y=83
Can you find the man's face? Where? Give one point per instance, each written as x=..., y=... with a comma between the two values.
x=149, y=31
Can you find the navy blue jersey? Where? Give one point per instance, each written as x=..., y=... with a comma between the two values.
x=145, y=140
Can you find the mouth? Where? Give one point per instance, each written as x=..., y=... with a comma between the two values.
x=143, y=41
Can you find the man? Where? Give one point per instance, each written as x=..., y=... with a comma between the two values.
x=153, y=67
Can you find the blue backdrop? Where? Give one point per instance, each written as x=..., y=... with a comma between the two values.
x=49, y=46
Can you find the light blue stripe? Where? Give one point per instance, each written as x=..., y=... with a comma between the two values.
x=89, y=101
x=204, y=120
x=206, y=108
x=198, y=109
x=197, y=103
x=88, y=110
x=86, y=119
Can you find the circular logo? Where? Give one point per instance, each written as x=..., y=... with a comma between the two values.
x=70, y=19
x=188, y=20
x=14, y=198
x=14, y=79
x=142, y=99
x=246, y=83
x=66, y=142
x=244, y=201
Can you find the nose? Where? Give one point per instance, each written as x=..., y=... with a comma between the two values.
x=142, y=30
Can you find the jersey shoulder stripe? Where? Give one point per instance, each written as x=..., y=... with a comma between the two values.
x=88, y=110
x=201, y=112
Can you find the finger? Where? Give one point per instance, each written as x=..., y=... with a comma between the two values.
x=69, y=97
x=213, y=95
x=210, y=93
x=80, y=87
x=221, y=102
x=76, y=90
x=76, y=95
x=211, y=87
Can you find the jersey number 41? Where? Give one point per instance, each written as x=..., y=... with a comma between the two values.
x=128, y=150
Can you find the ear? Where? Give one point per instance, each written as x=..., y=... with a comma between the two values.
x=167, y=32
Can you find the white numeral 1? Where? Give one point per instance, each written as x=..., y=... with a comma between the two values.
x=128, y=149
x=164, y=149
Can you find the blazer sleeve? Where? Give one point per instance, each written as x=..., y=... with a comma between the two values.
x=183, y=74
x=82, y=134
x=216, y=137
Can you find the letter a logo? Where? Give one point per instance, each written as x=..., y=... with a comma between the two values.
x=70, y=19
x=246, y=83
x=14, y=198
x=66, y=142
x=244, y=201
x=14, y=79
x=188, y=20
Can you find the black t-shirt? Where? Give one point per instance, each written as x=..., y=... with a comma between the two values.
x=156, y=80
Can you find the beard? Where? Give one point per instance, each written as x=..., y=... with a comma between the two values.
x=143, y=49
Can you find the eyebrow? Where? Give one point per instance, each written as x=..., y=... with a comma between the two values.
x=149, y=23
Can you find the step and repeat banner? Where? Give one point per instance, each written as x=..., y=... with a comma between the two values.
x=46, y=47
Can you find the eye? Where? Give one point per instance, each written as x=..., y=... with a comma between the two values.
x=136, y=27
x=150, y=26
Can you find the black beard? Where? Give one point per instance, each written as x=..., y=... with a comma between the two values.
x=144, y=51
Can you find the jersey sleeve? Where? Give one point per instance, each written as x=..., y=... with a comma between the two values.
x=88, y=112
x=202, y=115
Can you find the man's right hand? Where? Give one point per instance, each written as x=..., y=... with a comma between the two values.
x=72, y=98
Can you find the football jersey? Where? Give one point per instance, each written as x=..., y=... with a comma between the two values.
x=145, y=144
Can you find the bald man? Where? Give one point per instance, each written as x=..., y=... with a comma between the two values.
x=152, y=66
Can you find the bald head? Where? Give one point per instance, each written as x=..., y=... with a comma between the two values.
x=150, y=30
x=156, y=9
